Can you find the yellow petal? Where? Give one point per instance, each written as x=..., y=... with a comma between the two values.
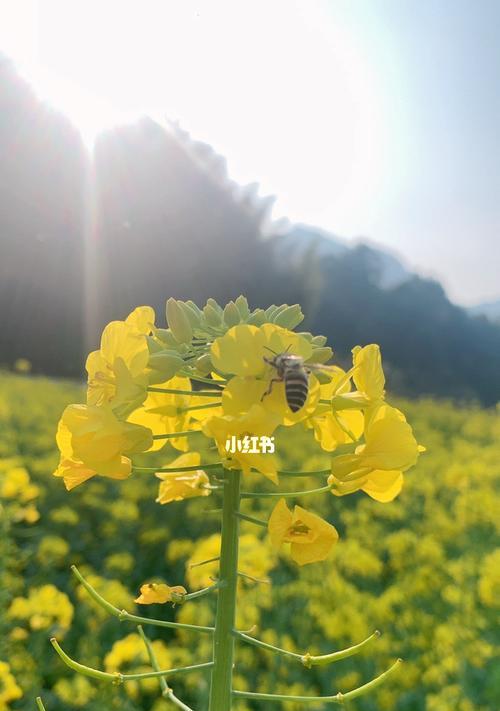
x=383, y=486
x=279, y=522
x=368, y=375
x=152, y=593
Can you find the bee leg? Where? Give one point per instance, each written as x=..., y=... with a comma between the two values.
x=269, y=389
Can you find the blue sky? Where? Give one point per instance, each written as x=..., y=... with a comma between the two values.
x=372, y=118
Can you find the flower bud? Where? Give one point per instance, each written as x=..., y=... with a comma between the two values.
x=178, y=322
x=289, y=317
x=232, y=316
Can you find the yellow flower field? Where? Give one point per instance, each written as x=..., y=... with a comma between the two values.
x=424, y=569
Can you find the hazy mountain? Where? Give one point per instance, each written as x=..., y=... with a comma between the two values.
x=489, y=309
x=386, y=270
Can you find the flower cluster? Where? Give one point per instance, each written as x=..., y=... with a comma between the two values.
x=259, y=376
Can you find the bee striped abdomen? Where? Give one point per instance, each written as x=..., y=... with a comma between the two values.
x=296, y=389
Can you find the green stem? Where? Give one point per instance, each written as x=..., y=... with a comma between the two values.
x=152, y=658
x=336, y=699
x=204, y=562
x=200, y=407
x=307, y=659
x=201, y=379
x=39, y=703
x=191, y=468
x=202, y=592
x=118, y=677
x=198, y=393
x=284, y=494
x=251, y=519
x=173, y=435
x=222, y=674
x=317, y=472
x=124, y=615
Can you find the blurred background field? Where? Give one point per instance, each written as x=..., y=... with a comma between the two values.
x=424, y=570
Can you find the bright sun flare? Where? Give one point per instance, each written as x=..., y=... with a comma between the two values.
x=264, y=83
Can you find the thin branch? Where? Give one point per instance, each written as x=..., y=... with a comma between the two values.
x=192, y=468
x=336, y=699
x=201, y=379
x=173, y=391
x=284, y=494
x=264, y=581
x=166, y=691
x=200, y=407
x=118, y=677
x=172, y=435
x=204, y=562
x=124, y=615
x=202, y=592
x=307, y=659
x=251, y=519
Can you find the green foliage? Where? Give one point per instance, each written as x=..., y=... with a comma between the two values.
x=423, y=570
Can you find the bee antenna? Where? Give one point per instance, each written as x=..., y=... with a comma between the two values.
x=270, y=349
x=289, y=346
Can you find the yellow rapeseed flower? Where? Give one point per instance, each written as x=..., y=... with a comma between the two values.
x=9, y=690
x=93, y=441
x=176, y=486
x=164, y=413
x=161, y=593
x=242, y=349
x=332, y=428
x=117, y=372
x=257, y=422
x=241, y=352
x=377, y=466
x=310, y=537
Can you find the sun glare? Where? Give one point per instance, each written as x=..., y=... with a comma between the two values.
x=279, y=88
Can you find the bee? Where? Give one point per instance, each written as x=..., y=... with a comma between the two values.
x=294, y=373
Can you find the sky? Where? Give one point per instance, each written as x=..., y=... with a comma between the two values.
x=373, y=119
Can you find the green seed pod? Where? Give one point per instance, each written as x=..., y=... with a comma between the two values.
x=232, y=316
x=178, y=322
x=242, y=306
x=204, y=364
x=213, y=318
x=289, y=317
